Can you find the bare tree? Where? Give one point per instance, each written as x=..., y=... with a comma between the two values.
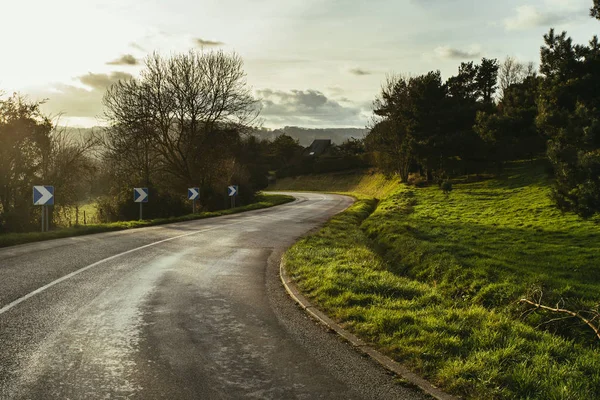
x=130, y=139
x=181, y=110
x=513, y=72
x=530, y=69
x=70, y=167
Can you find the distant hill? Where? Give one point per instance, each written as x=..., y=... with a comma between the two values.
x=304, y=135
x=307, y=135
x=80, y=131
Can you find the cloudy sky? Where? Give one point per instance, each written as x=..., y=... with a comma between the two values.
x=314, y=63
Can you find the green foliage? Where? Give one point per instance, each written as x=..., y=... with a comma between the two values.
x=352, y=147
x=487, y=80
x=446, y=187
x=510, y=131
x=25, y=143
x=284, y=150
x=412, y=116
x=288, y=158
x=253, y=153
x=463, y=86
x=261, y=201
x=433, y=282
x=595, y=10
x=569, y=115
x=392, y=147
x=120, y=206
x=427, y=126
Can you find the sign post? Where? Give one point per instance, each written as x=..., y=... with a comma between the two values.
x=193, y=194
x=140, y=195
x=233, y=192
x=44, y=196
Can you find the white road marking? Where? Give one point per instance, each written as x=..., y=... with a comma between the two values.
x=77, y=272
x=74, y=273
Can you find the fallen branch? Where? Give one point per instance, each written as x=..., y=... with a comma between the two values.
x=588, y=322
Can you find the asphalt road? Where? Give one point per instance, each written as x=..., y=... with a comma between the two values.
x=193, y=310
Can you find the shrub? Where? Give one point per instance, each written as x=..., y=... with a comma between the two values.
x=446, y=187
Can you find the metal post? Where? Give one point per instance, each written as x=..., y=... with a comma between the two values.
x=43, y=220
x=194, y=206
x=47, y=218
x=141, y=211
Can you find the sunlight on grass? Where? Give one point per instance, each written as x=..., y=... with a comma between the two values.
x=366, y=183
x=433, y=282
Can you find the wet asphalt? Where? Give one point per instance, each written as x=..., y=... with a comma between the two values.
x=193, y=310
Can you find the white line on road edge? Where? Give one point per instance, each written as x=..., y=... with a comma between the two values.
x=72, y=274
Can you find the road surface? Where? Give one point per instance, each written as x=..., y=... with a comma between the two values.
x=193, y=310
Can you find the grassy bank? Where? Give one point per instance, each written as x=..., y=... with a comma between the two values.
x=362, y=183
x=434, y=282
x=11, y=239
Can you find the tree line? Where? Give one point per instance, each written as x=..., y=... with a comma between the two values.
x=491, y=113
x=180, y=124
x=33, y=151
x=186, y=121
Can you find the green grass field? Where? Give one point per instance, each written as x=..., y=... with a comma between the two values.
x=434, y=281
x=11, y=239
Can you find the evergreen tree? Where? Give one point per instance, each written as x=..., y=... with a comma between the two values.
x=569, y=114
x=510, y=131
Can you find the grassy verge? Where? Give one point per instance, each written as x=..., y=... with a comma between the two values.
x=432, y=281
x=361, y=183
x=11, y=239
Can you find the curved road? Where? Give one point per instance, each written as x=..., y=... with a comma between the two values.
x=193, y=310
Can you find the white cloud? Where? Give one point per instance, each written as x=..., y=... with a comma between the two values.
x=527, y=17
x=80, y=101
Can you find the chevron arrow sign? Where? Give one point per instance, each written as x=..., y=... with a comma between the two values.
x=232, y=190
x=140, y=195
x=43, y=195
x=193, y=193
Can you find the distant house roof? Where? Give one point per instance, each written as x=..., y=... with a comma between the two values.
x=318, y=147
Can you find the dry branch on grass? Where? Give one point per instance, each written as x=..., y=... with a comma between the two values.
x=593, y=322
